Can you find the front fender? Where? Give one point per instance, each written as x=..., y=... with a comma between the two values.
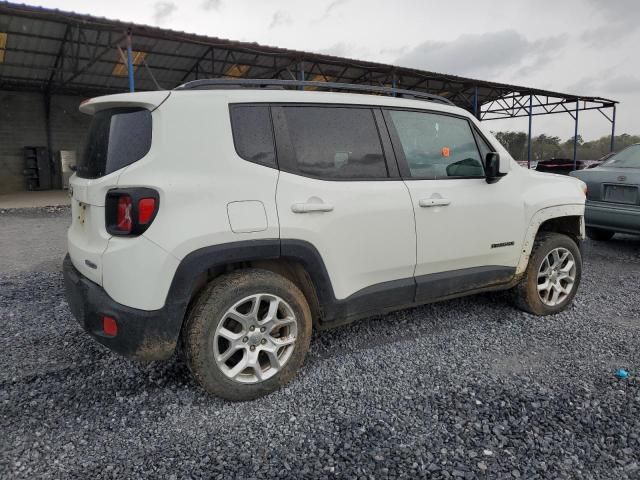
x=541, y=216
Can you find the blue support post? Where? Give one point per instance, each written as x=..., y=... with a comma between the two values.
x=529, y=134
x=301, y=73
x=130, y=63
x=476, y=113
x=613, y=128
x=575, y=138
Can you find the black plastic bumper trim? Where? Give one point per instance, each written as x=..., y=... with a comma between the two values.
x=142, y=335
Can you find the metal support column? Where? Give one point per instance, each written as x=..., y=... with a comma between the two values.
x=575, y=137
x=613, y=128
x=529, y=134
x=301, y=74
x=394, y=82
x=130, y=63
x=47, y=119
x=476, y=113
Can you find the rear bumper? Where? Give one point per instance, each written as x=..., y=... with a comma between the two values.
x=615, y=217
x=142, y=335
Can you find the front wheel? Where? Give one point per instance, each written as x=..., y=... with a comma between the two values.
x=247, y=334
x=552, y=276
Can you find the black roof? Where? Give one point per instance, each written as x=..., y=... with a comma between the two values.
x=65, y=52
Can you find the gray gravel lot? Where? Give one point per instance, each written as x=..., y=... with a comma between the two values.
x=469, y=388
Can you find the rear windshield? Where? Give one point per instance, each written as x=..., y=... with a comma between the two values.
x=117, y=138
x=627, y=158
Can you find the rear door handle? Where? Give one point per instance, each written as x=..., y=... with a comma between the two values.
x=314, y=204
x=434, y=202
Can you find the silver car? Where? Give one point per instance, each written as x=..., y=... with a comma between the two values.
x=613, y=196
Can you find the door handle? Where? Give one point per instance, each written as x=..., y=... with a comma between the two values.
x=434, y=202
x=314, y=204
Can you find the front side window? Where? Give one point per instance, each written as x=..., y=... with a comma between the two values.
x=117, y=137
x=335, y=142
x=253, y=134
x=437, y=146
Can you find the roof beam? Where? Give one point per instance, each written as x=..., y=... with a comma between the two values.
x=99, y=55
x=197, y=63
x=26, y=19
x=59, y=58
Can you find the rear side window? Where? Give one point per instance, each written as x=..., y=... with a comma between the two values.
x=437, y=146
x=117, y=137
x=335, y=142
x=253, y=134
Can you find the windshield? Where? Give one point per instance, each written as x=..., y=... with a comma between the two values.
x=627, y=158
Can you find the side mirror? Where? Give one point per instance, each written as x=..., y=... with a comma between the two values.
x=492, y=167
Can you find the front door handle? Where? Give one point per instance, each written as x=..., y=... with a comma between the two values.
x=434, y=202
x=314, y=204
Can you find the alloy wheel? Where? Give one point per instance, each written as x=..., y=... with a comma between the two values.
x=255, y=338
x=556, y=276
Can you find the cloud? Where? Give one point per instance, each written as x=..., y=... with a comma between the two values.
x=340, y=49
x=280, y=19
x=332, y=7
x=604, y=36
x=488, y=55
x=619, y=19
x=211, y=4
x=622, y=11
x=347, y=50
x=605, y=84
x=162, y=11
x=623, y=84
x=395, y=51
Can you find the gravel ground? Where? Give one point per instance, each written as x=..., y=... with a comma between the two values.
x=469, y=388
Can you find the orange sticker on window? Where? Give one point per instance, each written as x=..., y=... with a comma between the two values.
x=445, y=151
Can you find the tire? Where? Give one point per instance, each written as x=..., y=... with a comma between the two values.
x=599, y=234
x=219, y=314
x=526, y=294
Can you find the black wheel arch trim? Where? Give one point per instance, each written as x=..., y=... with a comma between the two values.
x=374, y=299
x=153, y=335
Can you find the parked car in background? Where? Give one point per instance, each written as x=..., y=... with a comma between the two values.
x=601, y=160
x=613, y=195
x=526, y=164
x=561, y=166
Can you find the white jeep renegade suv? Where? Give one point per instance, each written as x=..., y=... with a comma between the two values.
x=230, y=219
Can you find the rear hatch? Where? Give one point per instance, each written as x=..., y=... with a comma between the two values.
x=120, y=134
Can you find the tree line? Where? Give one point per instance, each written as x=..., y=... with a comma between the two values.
x=546, y=146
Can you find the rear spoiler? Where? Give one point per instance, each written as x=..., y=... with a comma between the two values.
x=148, y=100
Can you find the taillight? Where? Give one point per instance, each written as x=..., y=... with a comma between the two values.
x=130, y=211
x=146, y=209
x=124, y=223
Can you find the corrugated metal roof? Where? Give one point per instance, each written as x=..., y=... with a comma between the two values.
x=48, y=49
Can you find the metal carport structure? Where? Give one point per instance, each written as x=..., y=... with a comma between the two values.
x=55, y=52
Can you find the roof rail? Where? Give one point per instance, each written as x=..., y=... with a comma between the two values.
x=221, y=83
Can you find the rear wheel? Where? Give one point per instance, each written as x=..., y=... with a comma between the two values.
x=599, y=234
x=247, y=334
x=552, y=276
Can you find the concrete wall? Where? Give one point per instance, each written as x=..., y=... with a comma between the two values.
x=23, y=123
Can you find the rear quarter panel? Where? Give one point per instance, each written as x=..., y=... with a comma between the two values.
x=197, y=172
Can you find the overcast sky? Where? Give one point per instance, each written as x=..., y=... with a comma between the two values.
x=587, y=47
